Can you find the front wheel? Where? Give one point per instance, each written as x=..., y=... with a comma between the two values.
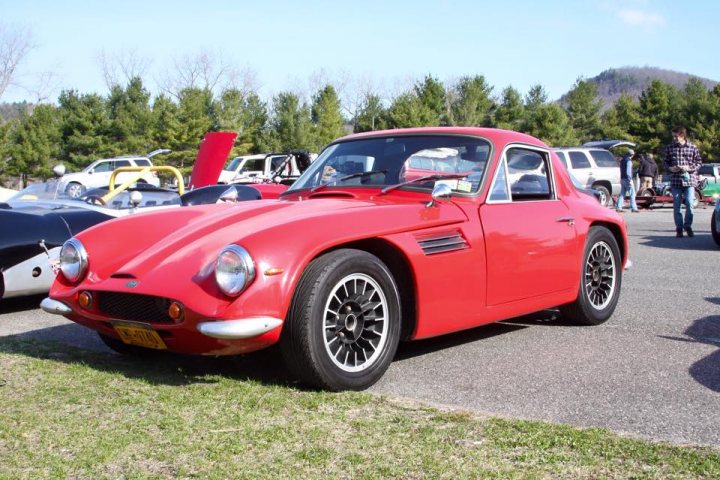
x=600, y=280
x=343, y=327
x=74, y=190
x=714, y=227
x=605, y=197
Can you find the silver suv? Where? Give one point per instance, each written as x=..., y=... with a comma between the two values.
x=594, y=166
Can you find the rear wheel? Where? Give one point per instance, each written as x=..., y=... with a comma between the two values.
x=343, y=327
x=600, y=280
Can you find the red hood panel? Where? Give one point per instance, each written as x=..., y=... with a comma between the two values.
x=214, y=150
x=193, y=236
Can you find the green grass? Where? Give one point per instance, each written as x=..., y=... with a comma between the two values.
x=69, y=413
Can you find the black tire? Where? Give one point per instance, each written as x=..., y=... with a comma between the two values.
x=124, y=349
x=646, y=192
x=600, y=280
x=343, y=327
x=713, y=227
x=605, y=197
x=74, y=190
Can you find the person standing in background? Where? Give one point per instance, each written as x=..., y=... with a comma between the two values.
x=626, y=182
x=647, y=170
x=682, y=160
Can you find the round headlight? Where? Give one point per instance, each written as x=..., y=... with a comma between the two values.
x=234, y=270
x=73, y=260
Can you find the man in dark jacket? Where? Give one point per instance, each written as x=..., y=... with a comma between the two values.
x=647, y=170
x=626, y=183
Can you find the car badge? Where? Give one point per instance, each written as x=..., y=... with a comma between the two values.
x=132, y=284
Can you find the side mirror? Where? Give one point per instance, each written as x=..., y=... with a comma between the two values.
x=59, y=170
x=441, y=193
x=229, y=196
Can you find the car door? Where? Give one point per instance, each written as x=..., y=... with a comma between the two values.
x=101, y=174
x=530, y=237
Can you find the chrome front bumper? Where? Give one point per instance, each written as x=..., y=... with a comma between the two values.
x=53, y=306
x=239, y=329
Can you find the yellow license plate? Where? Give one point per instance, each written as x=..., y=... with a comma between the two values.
x=140, y=335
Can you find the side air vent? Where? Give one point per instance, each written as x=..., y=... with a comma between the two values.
x=442, y=242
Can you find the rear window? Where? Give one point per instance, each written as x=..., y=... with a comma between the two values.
x=579, y=160
x=603, y=158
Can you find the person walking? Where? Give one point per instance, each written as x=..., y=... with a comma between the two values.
x=682, y=160
x=626, y=182
x=647, y=170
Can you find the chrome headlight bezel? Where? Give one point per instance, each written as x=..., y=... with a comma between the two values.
x=234, y=270
x=73, y=260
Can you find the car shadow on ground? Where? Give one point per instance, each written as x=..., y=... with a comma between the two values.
x=700, y=242
x=20, y=304
x=62, y=344
x=705, y=371
x=422, y=347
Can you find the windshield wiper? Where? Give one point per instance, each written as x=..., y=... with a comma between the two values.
x=426, y=178
x=346, y=177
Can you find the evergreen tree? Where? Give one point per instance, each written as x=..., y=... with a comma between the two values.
x=290, y=127
x=84, y=129
x=255, y=122
x=550, y=123
x=34, y=143
x=621, y=121
x=326, y=117
x=657, y=118
x=196, y=117
x=372, y=115
x=408, y=111
x=166, y=130
x=583, y=109
x=511, y=111
x=432, y=96
x=699, y=114
x=470, y=102
x=130, y=127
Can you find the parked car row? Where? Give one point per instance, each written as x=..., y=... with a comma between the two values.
x=387, y=236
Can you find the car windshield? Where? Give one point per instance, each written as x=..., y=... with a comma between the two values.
x=48, y=191
x=234, y=163
x=386, y=161
x=41, y=191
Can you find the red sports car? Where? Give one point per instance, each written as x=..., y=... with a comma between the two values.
x=361, y=252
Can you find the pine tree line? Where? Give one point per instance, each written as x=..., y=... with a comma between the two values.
x=85, y=127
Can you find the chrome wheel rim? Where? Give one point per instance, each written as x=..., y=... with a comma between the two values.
x=600, y=273
x=355, y=323
x=603, y=198
x=74, y=191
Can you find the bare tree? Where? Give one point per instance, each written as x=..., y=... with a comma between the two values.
x=206, y=70
x=15, y=43
x=120, y=68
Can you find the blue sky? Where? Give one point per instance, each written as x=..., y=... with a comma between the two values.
x=386, y=43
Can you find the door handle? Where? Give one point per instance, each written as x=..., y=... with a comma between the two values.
x=570, y=220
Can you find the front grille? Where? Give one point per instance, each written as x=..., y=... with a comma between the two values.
x=442, y=242
x=132, y=306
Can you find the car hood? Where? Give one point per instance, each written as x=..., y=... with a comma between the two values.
x=192, y=237
x=608, y=144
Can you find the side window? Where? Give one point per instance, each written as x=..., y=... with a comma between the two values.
x=579, y=160
x=528, y=175
x=563, y=157
x=122, y=163
x=603, y=158
x=103, y=167
x=499, y=191
x=141, y=162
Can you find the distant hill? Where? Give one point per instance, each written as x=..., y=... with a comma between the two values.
x=632, y=80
